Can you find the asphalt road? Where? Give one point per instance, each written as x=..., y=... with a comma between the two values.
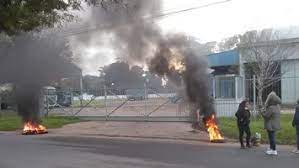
x=18, y=151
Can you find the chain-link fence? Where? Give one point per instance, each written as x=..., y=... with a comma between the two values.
x=131, y=104
x=147, y=104
x=117, y=104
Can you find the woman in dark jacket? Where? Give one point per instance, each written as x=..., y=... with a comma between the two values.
x=295, y=124
x=243, y=121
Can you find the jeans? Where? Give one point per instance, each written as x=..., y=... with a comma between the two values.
x=246, y=129
x=271, y=136
x=297, y=132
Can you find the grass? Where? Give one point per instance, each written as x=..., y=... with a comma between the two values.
x=284, y=136
x=11, y=121
x=58, y=121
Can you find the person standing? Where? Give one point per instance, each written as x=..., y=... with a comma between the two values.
x=243, y=121
x=272, y=120
x=295, y=124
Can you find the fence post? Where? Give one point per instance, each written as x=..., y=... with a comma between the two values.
x=47, y=105
x=81, y=92
x=145, y=98
x=254, y=95
x=1, y=112
x=105, y=97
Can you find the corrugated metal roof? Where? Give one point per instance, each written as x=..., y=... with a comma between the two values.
x=224, y=58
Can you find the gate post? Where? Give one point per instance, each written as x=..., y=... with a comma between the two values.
x=254, y=95
x=81, y=91
x=145, y=99
x=47, y=104
x=105, y=99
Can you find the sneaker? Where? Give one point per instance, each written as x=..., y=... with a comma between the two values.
x=272, y=152
x=242, y=147
x=269, y=152
x=296, y=151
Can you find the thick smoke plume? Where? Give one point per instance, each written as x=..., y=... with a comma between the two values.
x=179, y=62
x=136, y=38
x=170, y=56
x=128, y=26
x=30, y=63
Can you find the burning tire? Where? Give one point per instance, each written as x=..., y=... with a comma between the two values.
x=31, y=128
x=213, y=130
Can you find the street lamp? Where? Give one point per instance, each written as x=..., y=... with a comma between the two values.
x=144, y=75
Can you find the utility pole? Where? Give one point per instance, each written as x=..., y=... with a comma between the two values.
x=81, y=91
x=145, y=92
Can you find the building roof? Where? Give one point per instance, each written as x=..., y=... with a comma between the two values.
x=224, y=58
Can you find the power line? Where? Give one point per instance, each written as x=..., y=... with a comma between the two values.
x=158, y=12
x=190, y=9
x=154, y=17
x=145, y=19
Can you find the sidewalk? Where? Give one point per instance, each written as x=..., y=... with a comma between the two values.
x=165, y=131
x=151, y=130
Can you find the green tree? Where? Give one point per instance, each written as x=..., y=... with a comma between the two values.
x=27, y=15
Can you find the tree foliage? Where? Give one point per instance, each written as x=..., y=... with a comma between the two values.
x=263, y=52
x=27, y=15
x=229, y=43
x=126, y=77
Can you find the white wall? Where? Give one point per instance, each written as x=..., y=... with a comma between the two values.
x=290, y=81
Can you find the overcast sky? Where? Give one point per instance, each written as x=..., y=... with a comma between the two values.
x=211, y=23
x=214, y=23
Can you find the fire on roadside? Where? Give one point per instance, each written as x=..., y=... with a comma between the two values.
x=31, y=128
x=213, y=130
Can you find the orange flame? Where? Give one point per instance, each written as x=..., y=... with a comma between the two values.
x=177, y=65
x=32, y=128
x=214, y=133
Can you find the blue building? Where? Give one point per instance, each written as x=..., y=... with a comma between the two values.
x=226, y=81
x=230, y=84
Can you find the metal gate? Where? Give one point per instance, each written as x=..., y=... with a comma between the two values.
x=121, y=105
x=143, y=104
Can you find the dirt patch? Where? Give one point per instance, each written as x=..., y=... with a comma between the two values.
x=155, y=130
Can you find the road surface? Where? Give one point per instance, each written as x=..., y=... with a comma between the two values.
x=18, y=151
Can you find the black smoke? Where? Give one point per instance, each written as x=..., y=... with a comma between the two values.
x=194, y=76
x=136, y=38
x=196, y=84
x=125, y=26
x=129, y=27
x=31, y=62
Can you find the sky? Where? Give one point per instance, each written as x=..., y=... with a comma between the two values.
x=220, y=21
x=212, y=23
